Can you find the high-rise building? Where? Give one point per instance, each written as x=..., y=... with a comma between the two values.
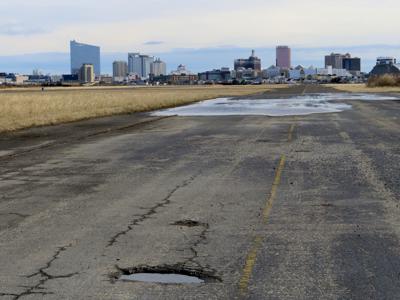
x=352, y=64
x=120, y=69
x=146, y=65
x=84, y=54
x=134, y=64
x=86, y=73
x=283, y=57
x=253, y=62
x=158, y=68
x=336, y=60
x=140, y=64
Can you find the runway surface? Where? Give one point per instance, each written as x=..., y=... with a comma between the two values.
x=257, y=207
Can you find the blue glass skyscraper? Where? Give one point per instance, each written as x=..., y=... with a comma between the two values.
x=84, y=54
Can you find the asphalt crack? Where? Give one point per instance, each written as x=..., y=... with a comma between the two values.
x=38, y=289
x=202, y=237
x=80, y=138
x=151, y=211
x=190, y=267
x=16, y=214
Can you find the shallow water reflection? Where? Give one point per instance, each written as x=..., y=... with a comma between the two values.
x=299, y=105
x=162, y=278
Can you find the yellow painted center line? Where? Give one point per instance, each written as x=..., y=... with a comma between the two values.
x=250, y=262
x=291, y=130
x=275, y=185
x=252, y=256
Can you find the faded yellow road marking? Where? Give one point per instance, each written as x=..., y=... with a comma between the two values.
x=274, y=189
x=252, y=256
x=291, y=130
x=250, y=262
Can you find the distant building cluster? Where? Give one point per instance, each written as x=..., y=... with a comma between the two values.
x=344, y=61
x=137, y=69
x=18, y=79
x=143, y=69
x=338, y=68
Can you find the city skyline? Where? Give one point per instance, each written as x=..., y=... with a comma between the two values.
x=44, y=25
x=197, y=60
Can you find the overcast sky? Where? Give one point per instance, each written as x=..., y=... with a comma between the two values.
x=162, y=25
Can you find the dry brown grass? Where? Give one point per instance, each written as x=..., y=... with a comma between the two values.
x=363, y=88
x=27, y=108
x=384, y=81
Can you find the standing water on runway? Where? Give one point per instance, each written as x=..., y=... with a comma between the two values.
x=162, y=278
x=300, y=105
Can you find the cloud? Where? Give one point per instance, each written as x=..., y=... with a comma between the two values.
x=152, y=43
x=19, y=29
x=165, y=25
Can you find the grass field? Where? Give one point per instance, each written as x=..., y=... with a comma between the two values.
x=22, y=108
x=362, y=88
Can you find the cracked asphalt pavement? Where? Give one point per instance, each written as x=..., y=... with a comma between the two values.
x=296, y=207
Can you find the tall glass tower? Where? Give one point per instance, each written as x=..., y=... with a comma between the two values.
x=134, y=64
x=84, y=54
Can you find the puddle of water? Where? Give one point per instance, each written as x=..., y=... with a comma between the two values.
x=299, y=105
x=5, y=153
x=162, y=278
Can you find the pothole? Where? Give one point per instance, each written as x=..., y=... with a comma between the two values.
x=189, y=223
x=327, y=205
x=176, y=274
x=263, y=141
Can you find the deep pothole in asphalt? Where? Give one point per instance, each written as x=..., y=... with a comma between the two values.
x=166, y=274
